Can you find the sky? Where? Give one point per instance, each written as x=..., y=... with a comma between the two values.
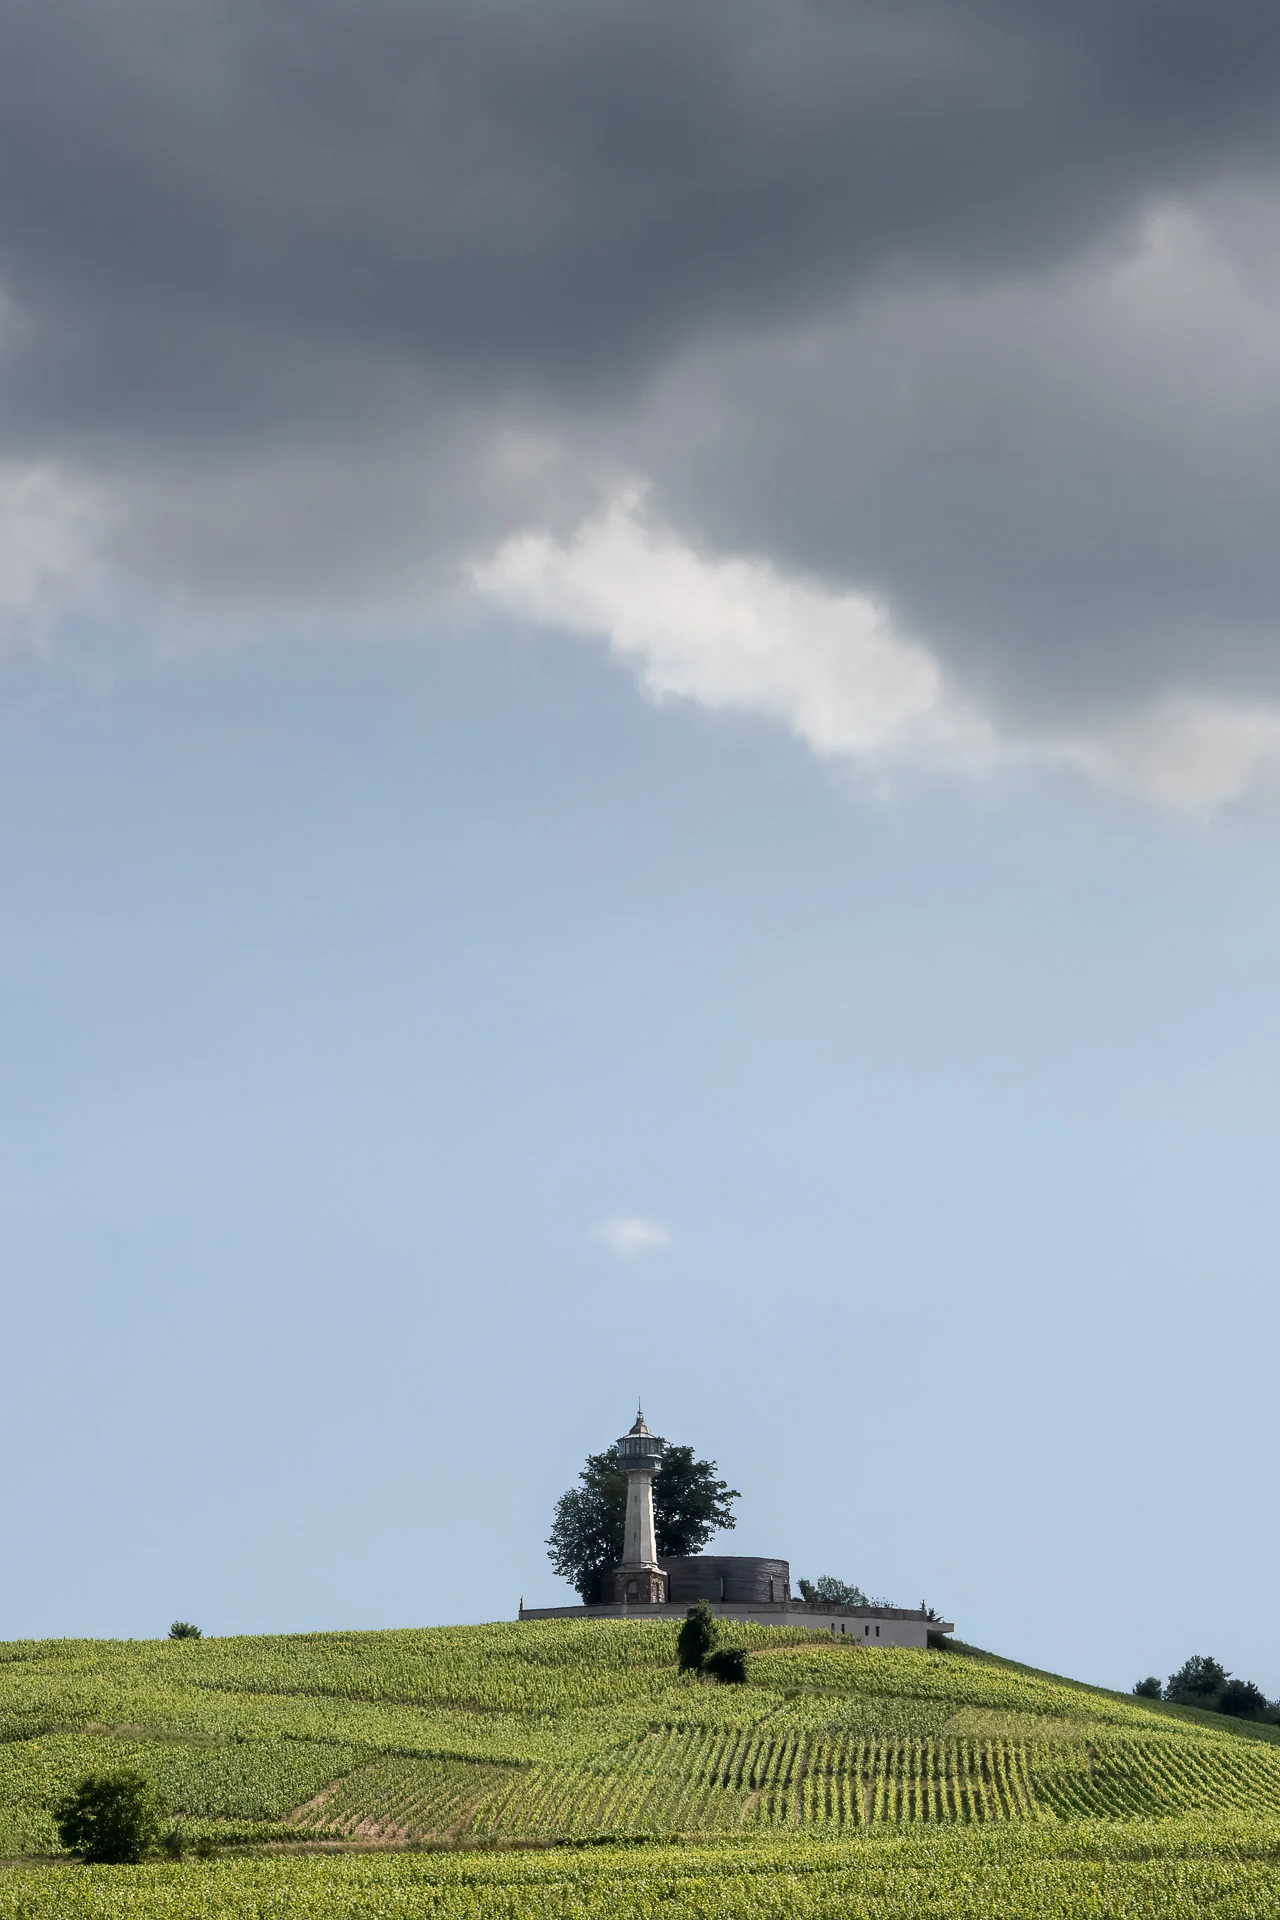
x=640, y=756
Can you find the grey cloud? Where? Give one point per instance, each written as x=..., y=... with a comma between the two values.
x=322, y=294
x=1068, y=482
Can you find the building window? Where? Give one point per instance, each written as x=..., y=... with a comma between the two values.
x=866, y=1629
x=770, y=1593
x=877, y=1629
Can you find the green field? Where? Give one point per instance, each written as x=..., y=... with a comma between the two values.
x=568, y=1768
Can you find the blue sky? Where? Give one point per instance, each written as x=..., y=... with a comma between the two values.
x=349, y=990
x=641, y=614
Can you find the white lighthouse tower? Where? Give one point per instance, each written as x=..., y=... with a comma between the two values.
x=638, y=1580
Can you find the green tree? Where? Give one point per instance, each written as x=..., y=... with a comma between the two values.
x=689, y=1505
x=184, y=1630
x=827, y=1591
x=1198, y=1682
x=696, y=1637
x=1149, y=1689
x=1243, y=1700
x=109, y=1819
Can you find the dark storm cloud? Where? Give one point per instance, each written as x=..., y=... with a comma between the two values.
x=313, y=287
x=552, y=193
x=1068, y=482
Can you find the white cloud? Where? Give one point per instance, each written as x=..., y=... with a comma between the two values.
x=50, y=529
x=629, y=1236
x=1189, y=752
x=736, y=632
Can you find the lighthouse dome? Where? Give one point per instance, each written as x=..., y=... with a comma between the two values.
x=639, y=1450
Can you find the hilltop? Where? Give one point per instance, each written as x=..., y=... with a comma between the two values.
x=562, y=1732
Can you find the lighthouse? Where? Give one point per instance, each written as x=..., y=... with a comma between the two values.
x=638, y=1580
x=738, y=1586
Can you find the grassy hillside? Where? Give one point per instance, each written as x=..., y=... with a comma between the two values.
x=815, y=1776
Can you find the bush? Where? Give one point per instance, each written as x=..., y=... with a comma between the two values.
x=109, y=1819
x=728, y=1664
x=1149, y=1689
x=696, y=1637
x=183, y=1630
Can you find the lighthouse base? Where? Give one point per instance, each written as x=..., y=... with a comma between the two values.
x=635, y=1586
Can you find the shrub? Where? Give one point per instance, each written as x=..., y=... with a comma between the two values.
x=109, y=1819
x=184, y=1630
x=728, y=1664
x=696, y=1637
x=1149, y=1689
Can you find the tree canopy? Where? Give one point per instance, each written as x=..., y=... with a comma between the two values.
x=696, y=1637
x=828, y=1591
x=1243, y=1699
x=690, y=1504
x=109, y=1819
x=1204, y=1682
x=1198, y=1682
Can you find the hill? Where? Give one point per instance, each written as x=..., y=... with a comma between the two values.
x=831, y=1767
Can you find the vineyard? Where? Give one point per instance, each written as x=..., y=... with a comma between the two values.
x=555, y=1734
x=1179, y=1869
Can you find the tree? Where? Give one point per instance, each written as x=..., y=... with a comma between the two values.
x=1149, y=1689
x=689, y=1505
x=1243, y=1700
x=183, y=1630
x=827, y=1591
x=109, y=1819
x=728, y=1664
x=1197, y=1683
x=696, y=1637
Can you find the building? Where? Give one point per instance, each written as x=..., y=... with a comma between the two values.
x=736, y=1586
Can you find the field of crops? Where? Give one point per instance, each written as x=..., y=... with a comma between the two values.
x=560, y=1733
x=1178, y=1869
